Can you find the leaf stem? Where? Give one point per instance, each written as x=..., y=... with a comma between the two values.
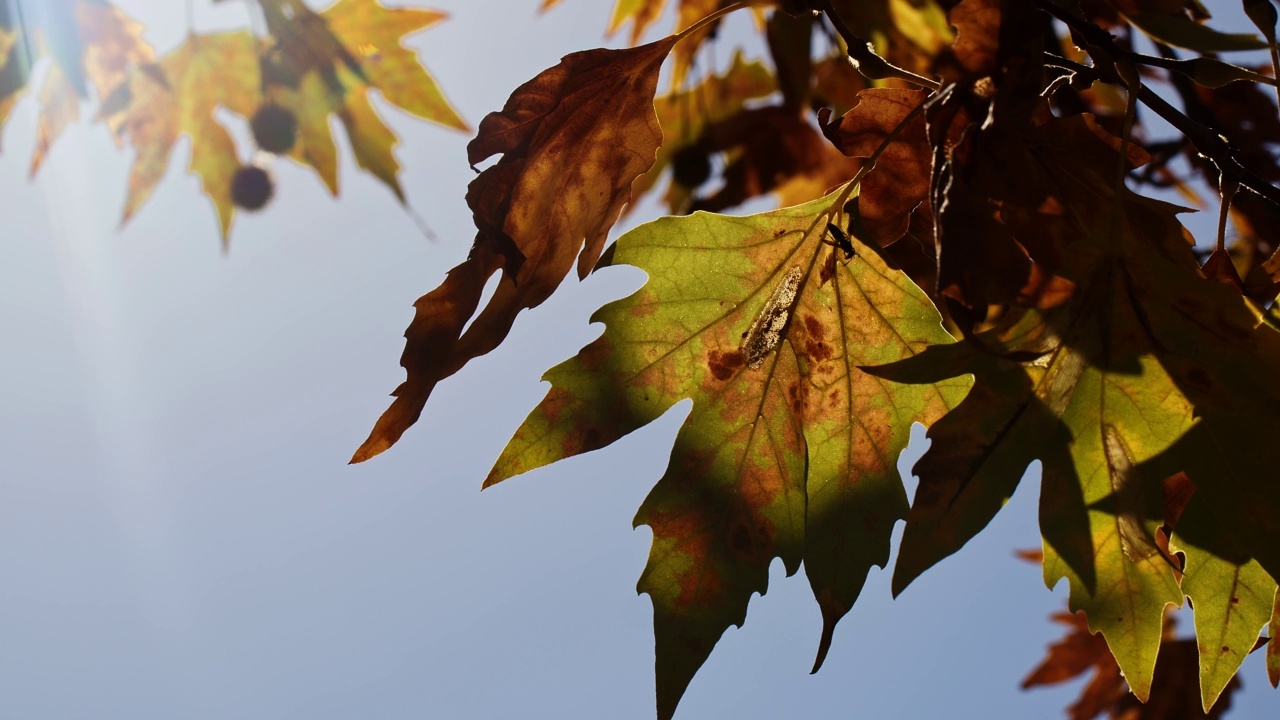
x=719, y=14
x=847, y=189
x=863, y=56
x=1102, y=47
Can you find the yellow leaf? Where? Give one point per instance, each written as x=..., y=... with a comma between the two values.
x=204, y=73
x=373, y=34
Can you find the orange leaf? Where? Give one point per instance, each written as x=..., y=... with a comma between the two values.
x=572, y=141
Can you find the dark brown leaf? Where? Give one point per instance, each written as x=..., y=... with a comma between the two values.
x=572, y=141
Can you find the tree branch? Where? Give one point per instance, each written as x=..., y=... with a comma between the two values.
x=1104, y=50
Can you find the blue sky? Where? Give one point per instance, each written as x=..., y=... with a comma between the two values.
x=180, y=535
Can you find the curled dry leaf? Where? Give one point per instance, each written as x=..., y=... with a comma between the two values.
x=572, y=139
x=900, y=180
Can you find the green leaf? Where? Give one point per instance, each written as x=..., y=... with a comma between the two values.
x=1181, y=31
x=790, y=448
x=1231, y=593
x=1273, y=646
x=1093, y=405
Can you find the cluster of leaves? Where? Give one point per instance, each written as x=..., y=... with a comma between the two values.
x=966, y=174
x=290, y=81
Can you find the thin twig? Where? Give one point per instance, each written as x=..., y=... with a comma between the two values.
x=865, y=60
x=1102, y=47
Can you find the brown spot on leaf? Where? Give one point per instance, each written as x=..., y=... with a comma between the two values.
x=724, y=365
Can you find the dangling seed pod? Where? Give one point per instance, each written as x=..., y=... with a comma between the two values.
x=251, y=187
x=275, y=129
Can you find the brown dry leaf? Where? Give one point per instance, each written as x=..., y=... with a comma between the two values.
x=774, y=150
x=572, y=139
x=685, y=115
x=900, y=181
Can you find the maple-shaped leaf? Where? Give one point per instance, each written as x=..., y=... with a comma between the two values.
x=789, y=450
x=202, y=74
x=1273, y=645
x=573, y=140
x=1107, y=380
x=684, y=115
x=94, y=45
x=901, y=179
x=1231, y=594
x=1173, y=695
x=772, y=149
x=352, y=47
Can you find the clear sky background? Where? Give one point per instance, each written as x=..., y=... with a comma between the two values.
x=180, y=535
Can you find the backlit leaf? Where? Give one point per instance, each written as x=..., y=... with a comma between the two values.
x=204, y=73
x=789, y=451
x=573, y=139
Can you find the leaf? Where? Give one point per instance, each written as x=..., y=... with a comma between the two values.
x=1173, y=690
x=1073, y=656
x=94, y=45
x=1181, y=31
x=1231, y=593
x=59, y=107
x=1097, y=405
x=683, y=116
x=573, y=140
x=1273, y=647
x=902, y=177
x=203, y=73
x=352, y=35
x=372, y=141
x=773, y=149
x=375, y=35
x=789, y=450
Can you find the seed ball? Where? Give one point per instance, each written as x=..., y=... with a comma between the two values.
x=251, y=187
x=275, y=129
x=690, y=167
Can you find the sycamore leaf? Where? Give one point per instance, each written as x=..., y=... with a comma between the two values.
x=59, y=108
x=1273, y=646
x=901, y=179
x=325, y=64
x=573, y=139
x=789, y=450
x=1186, y=33
x=374, y=34
x=93, y=44
x=1075, y=654
x=1231, y=594
x=204, y=73
x=1135, y=368
x=1173, y=696
x=773, y=149
x=684, y=115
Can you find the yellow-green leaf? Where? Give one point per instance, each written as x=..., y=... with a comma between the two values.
x=204, y=73
x=789, y=450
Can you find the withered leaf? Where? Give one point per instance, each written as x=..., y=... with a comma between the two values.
x=572, y=139
x=900, y=180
